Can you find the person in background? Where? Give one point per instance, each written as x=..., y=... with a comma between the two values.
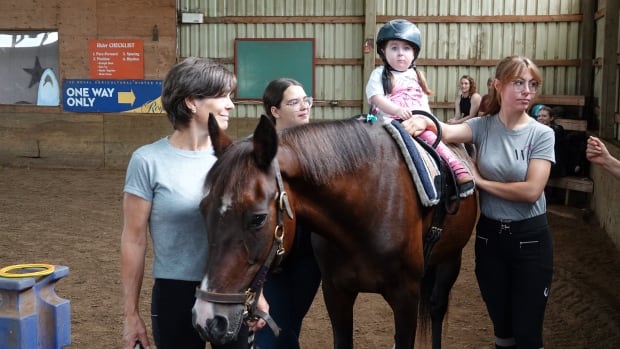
x=397, y=88
x=163, y=188
x=484, y=101
x=467, y=102
x=513, y=248
x=290, y=289
x=534, y=110
x=597, y=153
x=545, y=117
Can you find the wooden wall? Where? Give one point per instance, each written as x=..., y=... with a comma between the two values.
x=606, y=89
x=458, y=39
x=50, y=137
x=606, y=196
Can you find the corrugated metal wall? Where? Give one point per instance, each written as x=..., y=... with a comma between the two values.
x=332, y=40
x=469, y=45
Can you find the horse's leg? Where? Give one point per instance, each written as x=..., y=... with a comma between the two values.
x=339, y=303
x=404, y=303
x=340, y=308
x=445, y=277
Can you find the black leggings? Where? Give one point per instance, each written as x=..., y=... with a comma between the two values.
x=171, y=316
x=514, y=265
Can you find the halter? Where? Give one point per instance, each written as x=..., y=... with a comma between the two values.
x=250, y=296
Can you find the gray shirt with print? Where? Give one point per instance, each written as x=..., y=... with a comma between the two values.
x=504, y=156
x=173, y=180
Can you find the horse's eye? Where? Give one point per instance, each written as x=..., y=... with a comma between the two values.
x=257, y=221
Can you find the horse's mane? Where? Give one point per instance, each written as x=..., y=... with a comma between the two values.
x=330, y=148
x=324, y=149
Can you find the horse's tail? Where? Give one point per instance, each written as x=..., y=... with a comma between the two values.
x=425, y=305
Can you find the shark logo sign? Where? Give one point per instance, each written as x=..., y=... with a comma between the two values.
x=112, y=96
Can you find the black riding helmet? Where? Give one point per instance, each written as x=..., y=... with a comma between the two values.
x=399, y=29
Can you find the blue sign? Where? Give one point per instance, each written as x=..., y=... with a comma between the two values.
x=112, y=96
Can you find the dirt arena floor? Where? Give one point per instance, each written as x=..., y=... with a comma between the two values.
x=73, y=218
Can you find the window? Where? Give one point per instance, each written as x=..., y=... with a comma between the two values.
x=29, y=68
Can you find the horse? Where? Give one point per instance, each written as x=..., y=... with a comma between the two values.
x=347, y=180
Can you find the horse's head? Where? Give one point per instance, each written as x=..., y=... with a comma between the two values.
x=244, y=212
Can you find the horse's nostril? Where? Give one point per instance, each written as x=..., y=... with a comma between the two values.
x=218, y=326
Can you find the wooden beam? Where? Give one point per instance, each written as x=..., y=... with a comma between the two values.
x=572, y=124
x=442, y=105
x=488, y=19
x=341, y=103
x=427, y=62
x=493, y=62
x=340, y=61
x=284, y=19
x=384, y=19
x=28, y=108
x=317, y=102
x=570, y=100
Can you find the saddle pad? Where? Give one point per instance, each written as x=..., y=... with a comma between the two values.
x=421, y=165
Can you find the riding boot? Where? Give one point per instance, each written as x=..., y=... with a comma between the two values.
x=464, y=179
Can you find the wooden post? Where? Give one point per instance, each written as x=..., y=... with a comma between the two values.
x=587, y=39
x=370, y=24
x=610, y=63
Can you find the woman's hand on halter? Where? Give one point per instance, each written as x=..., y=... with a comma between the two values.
x=256, y=324
x=415, y=126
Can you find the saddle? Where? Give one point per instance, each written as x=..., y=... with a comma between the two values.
x=430, y=174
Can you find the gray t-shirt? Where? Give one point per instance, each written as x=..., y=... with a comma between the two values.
x=173, y=181
x=504, y=156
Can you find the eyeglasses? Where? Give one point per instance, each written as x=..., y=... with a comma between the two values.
x=296, y=103
x=519, y=85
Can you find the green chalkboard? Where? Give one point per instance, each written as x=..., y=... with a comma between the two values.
x=258, y=61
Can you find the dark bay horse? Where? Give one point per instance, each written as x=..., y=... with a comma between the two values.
x=346, y=180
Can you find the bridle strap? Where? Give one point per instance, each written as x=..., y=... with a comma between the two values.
x=250, y=296
x=283, y=196
x=225, y=298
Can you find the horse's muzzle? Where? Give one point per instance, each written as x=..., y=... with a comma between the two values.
x=220, y=329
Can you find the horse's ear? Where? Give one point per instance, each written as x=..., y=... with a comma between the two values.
x=219, y=139
x=265, y=142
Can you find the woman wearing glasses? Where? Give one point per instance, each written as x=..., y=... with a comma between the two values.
x=290, y=289
x=514, y=256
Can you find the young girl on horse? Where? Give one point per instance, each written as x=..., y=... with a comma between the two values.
x=397, y=88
